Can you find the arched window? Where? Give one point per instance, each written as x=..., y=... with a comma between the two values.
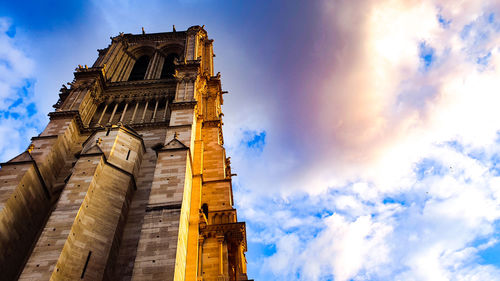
x=168, y=69
x=139, y=70
x=204, y=209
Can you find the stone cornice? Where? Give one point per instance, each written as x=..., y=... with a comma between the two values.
x=171, y=149
x=144, y=89
x=150, y=125
x=136, y=96
x=216, y=181
x=164, y=207
x=136, y=83
x=97, y=71
x=68, y=113
x=158, y=37
x=44, y=137
x=183, y=105
x=189, y=65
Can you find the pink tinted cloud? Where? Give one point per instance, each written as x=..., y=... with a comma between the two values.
x=366, y=92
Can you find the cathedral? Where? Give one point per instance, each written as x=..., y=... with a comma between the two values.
x=130, y=179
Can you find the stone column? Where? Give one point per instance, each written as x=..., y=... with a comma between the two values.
x=153, y=65
x=113, y=113
x=135, y=111
x=102, y=114
x=242, y=259
x=154, y=112
x=220, y=241
x=165, y=112
x=144, y=112
x=124, y=111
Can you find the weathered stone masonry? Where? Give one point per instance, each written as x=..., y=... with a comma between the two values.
x=130, y=179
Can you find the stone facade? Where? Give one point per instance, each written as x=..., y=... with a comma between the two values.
x=130, y=179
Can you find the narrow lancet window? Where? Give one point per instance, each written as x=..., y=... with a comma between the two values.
x=140, y=68
x=168, y=69
x=204, y=209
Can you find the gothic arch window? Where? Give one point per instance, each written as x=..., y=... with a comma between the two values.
x=168, y=69
x=204, y=209
x=139, y=69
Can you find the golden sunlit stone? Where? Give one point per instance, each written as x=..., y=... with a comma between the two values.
x=129, y=180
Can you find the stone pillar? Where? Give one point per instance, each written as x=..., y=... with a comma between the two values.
x=151, y=72
x=220, y=242
x=193, y=252
x=102, y=114
x=96, y=182
x=135, y=111
x=154, y=112
x=144, y=112
x=113, y=113
x=166, y=110
x=124, y=111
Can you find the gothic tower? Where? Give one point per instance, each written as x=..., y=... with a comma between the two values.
x=130, y=179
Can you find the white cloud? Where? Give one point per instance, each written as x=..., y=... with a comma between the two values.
x=427, y=232
x=403, y=179
x=17, y=120
x=14, y=66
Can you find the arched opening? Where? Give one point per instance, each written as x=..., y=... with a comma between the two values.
x=140, y=68
x=217, y=219
x=204, y=209
x=168, y=69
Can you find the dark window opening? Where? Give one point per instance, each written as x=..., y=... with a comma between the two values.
x=140, y=68
x=204, y=209
x=86, y=264
x=168, y=69
x=128, y=154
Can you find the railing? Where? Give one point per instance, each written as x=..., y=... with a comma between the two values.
x=132, y=112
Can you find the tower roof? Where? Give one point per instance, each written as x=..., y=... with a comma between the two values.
x=158, y=36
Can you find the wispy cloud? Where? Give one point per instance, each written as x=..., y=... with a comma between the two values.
x=401, y=142
x=17, y=109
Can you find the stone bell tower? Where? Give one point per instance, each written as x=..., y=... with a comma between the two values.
x=130, y=179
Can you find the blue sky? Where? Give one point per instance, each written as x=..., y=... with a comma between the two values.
x=364, y=133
